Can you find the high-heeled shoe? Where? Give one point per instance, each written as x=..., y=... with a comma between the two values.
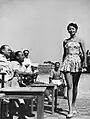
x=75, y=112
x=70, y=115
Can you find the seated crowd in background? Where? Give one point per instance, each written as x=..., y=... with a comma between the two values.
x=15, y=71
x=20, y=72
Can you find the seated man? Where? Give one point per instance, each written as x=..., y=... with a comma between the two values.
x=57, y=77
x=20, y=70
x=27, y=62
x=30, y=67
x=10, y=79
x=55, y=73
x=34, y=69
x=21, y=74
x=5, y=65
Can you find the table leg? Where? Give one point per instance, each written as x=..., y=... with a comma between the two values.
x=1, y=100
x=40, y=107
x=2, y=85
x=31, y=105
x=55, y=99
x=1, y=108
x=53, y=94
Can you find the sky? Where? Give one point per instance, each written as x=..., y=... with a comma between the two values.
x=40, y=25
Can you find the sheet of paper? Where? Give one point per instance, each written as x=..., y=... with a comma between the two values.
x=57, y=82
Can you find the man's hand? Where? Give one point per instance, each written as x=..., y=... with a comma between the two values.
x=84, y=65
x=1, y=68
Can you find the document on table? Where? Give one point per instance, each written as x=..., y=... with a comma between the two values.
x=57, y=82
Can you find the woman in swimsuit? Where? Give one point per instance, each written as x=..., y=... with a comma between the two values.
x=74, y=59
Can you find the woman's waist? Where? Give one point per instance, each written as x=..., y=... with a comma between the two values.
x=77, y=54
x=73, y=56
x=73, y=52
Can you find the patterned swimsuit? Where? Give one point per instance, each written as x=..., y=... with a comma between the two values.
x=72, y=61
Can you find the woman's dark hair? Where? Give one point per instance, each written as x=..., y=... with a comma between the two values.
x=74, y=25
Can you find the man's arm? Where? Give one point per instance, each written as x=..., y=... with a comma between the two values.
x=18, y=71
x=51, y=76
x=23, y=73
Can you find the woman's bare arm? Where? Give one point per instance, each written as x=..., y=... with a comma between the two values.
x=64, y=52
x=84, y=53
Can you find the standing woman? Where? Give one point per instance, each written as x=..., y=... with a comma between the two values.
x=74, y=59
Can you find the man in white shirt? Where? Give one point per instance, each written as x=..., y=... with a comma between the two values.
x=20, y=69
x=5, y=65
x=10, y=79
x=20, y=72
x=27, y=62
x=30, y=67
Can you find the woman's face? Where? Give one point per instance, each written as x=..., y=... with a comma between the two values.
x=72, y=30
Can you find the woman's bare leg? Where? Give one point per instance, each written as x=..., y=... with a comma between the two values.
x=76, y=77
x=69, y=81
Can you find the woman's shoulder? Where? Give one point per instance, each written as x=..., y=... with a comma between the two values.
x=66, y=40
x=80, y=40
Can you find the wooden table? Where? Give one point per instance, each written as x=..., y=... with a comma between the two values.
x=27, y=92
x=54, y=93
